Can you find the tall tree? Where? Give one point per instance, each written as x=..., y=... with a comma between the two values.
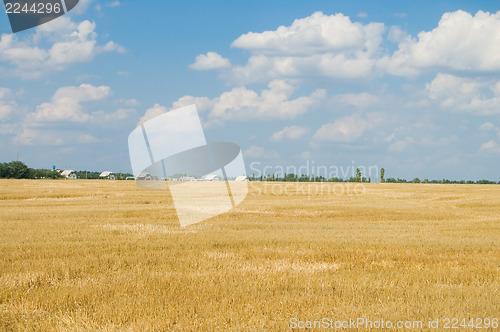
x=358, y=175
x=382, y=174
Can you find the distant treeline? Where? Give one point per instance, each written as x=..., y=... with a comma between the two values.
x=95, y=175
x=306, y=178
x=19, y=170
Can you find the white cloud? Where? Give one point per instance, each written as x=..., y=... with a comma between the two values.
x=291, y=133
x=113, y=4
x=419, y=134
x=7, y=103
x=152, y=112
x=210, y=61
x=52, y=123
x=474, y=96
x=318, y=45
x=314, y=34
x=348, y=129
x=358, y=100
x=31, y=136
x=241, y=103
x=459, y=42
x=488, y=126
x=71, y=43
x=118, y=115
x=254, y=151
x=203, y=104
x=130, y=102
x=362, y=15
x=490, y=147
x=263, y=67
x=396, y=35
x=49, y=137
x=66, y=104
x=333, y=46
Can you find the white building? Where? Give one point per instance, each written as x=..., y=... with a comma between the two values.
x=241, y=178
x=69, y=174
x=211, y=177
x=107, y=175
x=144, y=176
x=187, y=178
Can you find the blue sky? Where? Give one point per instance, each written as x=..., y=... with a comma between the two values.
x=411, y=87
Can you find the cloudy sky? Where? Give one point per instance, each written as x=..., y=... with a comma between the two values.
x=411, y=87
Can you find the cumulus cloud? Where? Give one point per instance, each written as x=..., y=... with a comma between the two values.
x=242, y=103
x=396, y=35
x=7, y=103
x=476, y=96
x=202, y=104
x=66, y=104
x=358, y=100
x=49, y=137
x=210, y=61
x=419, y=134
x=333, y=46
x=318, y=45
x=71, y=43
x=490, y=147
x=32, y=136
x=152, y=112
x=348, y=129
x=290, y=133
x=275, y=102
x=256, y=151
x=74, y=116
x=315, y=34
x=459, y=42
x=488, y=126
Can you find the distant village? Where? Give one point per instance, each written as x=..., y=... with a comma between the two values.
x=143, y=176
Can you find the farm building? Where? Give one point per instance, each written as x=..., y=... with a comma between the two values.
x=144, y=176
x=241, y=178
x=187, y=178
x=107, y=175
x=69, y=174
x=211, y=177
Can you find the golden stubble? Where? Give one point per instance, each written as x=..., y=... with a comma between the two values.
x=108, y=255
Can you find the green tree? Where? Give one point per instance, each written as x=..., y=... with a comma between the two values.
x=3, y=170
x=17, y=170
x=358, y=175
x=382, y=175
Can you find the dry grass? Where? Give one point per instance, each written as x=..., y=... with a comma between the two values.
x=104, y=255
